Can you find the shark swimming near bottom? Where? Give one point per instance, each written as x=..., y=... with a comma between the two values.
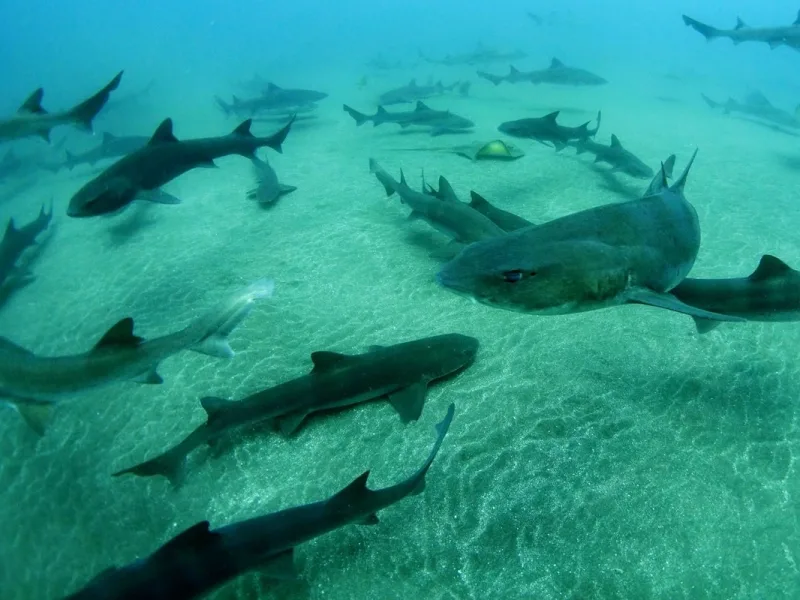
x=29, y=381
x=439, y=122
x=18, y=239
x=780, y=35
x=200, y=559
x=400, y=373
x=628, y=253
x=111, y=146
x=620, y=158
x=546, y=129
x=268, y=189
x=758, y=106
x=770, y=293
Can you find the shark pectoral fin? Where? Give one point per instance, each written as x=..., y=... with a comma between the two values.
x=448, y=252
x=157, y=196
x=370, y=520
x=286, y=189
x=151, y=378
x=192, y=539
x=670, y=302
x=705, y=325
x=213, y=406
x=290, y=423
x=408, y=402
x=36, y=415
x=281, y=566
x=415, y=215
x=419, y=488
x=45, y=135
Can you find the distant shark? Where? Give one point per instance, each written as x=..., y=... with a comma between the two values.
x=758, y=106
x=401, y=373
x=481, y=55
x=268, y=189
x=33, y=120
x=621, y=159
x=556, y=74
x=547, y=130
x=272, y=98
x=439, y=122
x=111, y=146
x=632, y=252
x=455, y=219
x=200, y=559
x=28, y=381
x=16, y=240
x=770, y=293
x=412, y=92
x=784, y=35
x=143, y=172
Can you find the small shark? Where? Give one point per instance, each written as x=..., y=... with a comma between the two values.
x=784, y=35
x=412, y=92
x=546, y=129
x=507, y=221
x=770, y=293
x=401, y=373
x=632, y=252
x=481, y=55
x=17, y=240
x=31, y=119
x=444, y=212
x=28, y=381
x=758, y=106
x=440, y=122
x=164, y=158
x=556, y=74
x=111, y=146
x=200, y=559
x=620, y=159
x=268, y=189
x=264, y=106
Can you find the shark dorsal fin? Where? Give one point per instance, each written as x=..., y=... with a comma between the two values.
x=243, y=129
x=351, y=496
x=403, y=178
x=668, y=166
x=446, y=190
x=412, y=83
x=556, y=64
x=552, y=116
x=33, y=104
x=768, y=267
x=10, y=228
x=108, y=137
x=381, y=111
x=163, y=133
x=513, y=70
x=325, y=360
x=797, y=20
x=680, y=183
x=213, y=406
x=477, y=200
x=190, y=540
x=271, y=87
x=659, y=182
x=119, y=336
x=421, y=106
x=740, y=24
x=615, y=141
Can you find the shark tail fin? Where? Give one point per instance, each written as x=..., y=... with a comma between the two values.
x=85, y=112
x=209, y=334
x=593, y=132
x=495, y=79
x=171, y=464
x=707, y=31
x=389, y=183
x=359, y=117
x=275, y=141
x=680, y=183
x=668, y=166
x=223, y=106
x=710, y=102
x=705, y=325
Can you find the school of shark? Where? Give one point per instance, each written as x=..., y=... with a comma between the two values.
x=485, y=257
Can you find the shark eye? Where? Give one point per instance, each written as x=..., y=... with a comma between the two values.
x=512, y=276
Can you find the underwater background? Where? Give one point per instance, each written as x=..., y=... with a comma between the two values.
x=605, y=454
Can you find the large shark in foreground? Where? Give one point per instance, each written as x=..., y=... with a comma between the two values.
x=770, y=293
x=164, y=158
x=200, y=559
x=29, y=381
x=31, y=119
x=400, y=373
x=629, y=253
x=782, y=35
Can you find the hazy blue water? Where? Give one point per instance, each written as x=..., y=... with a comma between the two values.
x=606, y=455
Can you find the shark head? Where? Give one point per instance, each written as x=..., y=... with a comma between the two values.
x=515, y=273
x=100, y=196
x=449, y=353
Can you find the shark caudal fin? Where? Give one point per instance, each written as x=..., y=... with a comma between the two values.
x=209, y=334
x=224, y=106
x=707, y=31
x=360, y=118
x=171, y=464
x=85, y=112
x=390, y=184
x=276, y=140
x=495, y=79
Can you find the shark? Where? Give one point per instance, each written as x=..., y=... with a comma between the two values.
x=400, y=373
x=439, y=122
x=200, y=559
x=271, y=98
x=412, y=92
x=621, y=159
x=481, y=55
x=141, y=173
x=546, y=129
x=18, y=239
x=268, y=189
x=627, y=253
x=556, y=74
x=445, y=213
x=770, y=293
x=29, y=381
x=781, y=35
x=756, y=105
x=33, y=120
x=111, y=146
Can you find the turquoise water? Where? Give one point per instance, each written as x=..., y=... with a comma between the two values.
x=608, y=454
